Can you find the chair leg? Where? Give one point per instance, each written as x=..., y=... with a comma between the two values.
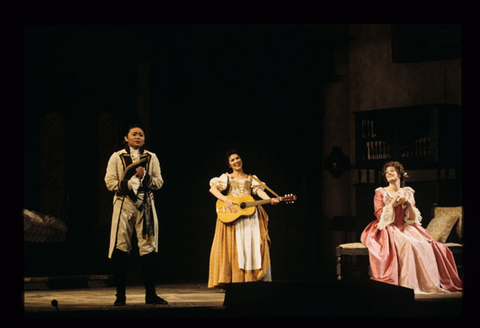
x=339, y=264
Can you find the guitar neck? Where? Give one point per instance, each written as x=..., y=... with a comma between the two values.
x=259, y=202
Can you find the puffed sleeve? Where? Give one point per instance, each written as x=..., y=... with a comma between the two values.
x=220, y=182
x=256, y=185
x=418, y=216
x=384, y=214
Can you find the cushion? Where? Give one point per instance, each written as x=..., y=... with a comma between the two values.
x=439, y=227
x=352, y=245
x=455, y=212
x=459, y=230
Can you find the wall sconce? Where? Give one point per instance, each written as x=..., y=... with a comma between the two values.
x=337, y=163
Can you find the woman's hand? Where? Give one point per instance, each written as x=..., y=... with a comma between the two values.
x=402, y=199
x=274, y=201
x=231, y=205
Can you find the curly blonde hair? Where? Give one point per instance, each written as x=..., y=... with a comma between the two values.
x=400, y=170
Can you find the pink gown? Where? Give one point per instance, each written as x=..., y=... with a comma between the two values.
x=401, y=252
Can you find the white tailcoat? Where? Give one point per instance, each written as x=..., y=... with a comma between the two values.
x=113, y=179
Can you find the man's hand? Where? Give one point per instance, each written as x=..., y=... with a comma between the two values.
x=140, y=172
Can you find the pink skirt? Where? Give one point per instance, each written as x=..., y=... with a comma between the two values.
x=410, y=258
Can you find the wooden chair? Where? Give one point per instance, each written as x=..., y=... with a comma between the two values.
x=352, y=249
x=347, y=224
x=440, y=228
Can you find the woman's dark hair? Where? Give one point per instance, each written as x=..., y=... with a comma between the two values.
x=230, y=153
x=127, y=131
x=400, y=171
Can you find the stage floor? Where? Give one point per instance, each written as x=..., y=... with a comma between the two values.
x=99, y=301
x=185, y=300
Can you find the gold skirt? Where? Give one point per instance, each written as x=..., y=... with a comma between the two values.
x=224, y=259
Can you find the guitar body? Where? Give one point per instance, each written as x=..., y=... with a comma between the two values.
x=226, y=216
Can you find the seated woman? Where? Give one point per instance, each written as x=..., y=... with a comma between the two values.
x=401, y=251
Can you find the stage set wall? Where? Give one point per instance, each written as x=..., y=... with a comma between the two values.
x=285, y=122
x=371, y=80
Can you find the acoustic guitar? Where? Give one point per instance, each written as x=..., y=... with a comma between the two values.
x=245, y=206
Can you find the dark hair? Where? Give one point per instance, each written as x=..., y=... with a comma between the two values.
x=132, y=127
x=230, y=153
x=400, y=170
x=127, y=131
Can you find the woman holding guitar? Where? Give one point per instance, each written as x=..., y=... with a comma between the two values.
x=241, y=246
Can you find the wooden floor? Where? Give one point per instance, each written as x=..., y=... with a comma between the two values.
x=185, y=297
x=189, y=299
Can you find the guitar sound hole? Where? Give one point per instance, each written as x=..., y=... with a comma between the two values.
x=243, y=205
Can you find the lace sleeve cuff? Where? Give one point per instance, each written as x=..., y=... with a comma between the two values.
x=134, y=184
x=386, y=218
x=418, y=217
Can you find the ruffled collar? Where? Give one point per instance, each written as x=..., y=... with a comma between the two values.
x=135, y=153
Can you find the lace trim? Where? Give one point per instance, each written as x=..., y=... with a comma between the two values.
x=386, y=218
x=418, y=217
x=388, y=215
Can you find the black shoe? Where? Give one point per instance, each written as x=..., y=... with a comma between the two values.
x=120, y=301
x=155, y=299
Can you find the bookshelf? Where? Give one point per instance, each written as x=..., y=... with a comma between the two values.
x=422, y=138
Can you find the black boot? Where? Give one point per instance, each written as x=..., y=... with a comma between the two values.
x=120, y=265
x=149, y=273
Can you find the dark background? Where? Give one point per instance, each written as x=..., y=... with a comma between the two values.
x=212, y=87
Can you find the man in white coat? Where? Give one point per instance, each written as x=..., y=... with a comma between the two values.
x=132, y=174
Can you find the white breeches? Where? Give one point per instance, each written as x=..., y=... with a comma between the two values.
x=129, y=221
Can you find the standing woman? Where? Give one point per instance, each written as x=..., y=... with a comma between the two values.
x=401, y=251
x=132, y=174
x=241, y=249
